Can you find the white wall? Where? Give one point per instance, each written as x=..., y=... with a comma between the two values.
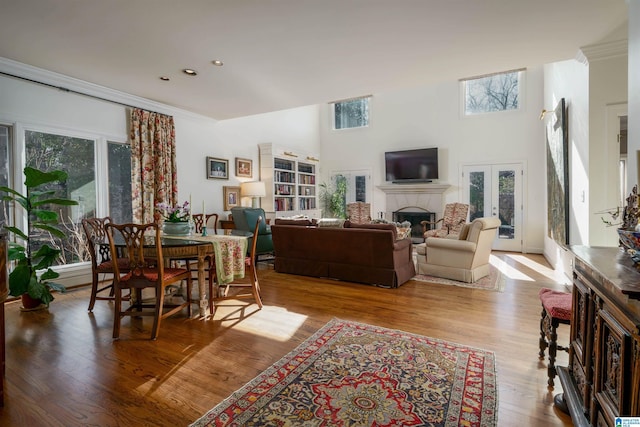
x=430, y=117
x=295, y=129
x=607, y=87
x=570, y=80
x=634, y=91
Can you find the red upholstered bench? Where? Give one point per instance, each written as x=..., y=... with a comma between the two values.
x=556, y=309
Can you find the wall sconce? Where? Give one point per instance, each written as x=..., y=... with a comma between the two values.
x=253, y=189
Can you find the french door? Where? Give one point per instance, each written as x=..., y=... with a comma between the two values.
x=496, y=190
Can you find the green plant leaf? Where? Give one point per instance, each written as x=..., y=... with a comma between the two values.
x=50, y=228
x=45, y=257
x=19, y=279
x=45, y=215
x=48, y=275
x=16, y=252
x=35, y=177
x=16, y=231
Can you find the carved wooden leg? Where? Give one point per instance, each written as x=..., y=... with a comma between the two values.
x=543, y=336
x=553, y=348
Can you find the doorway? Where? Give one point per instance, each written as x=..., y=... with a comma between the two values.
x=496, y=190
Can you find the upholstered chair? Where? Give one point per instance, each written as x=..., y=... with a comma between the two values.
x=451, y=223
x=359, y=212
x=245, y=219
x=465, y=259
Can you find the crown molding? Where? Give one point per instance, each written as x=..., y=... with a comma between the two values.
x=31, y=74
x=602, y=51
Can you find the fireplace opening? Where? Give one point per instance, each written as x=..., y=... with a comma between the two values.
x=415, y=217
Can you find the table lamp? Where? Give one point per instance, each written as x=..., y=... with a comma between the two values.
x=253, y=189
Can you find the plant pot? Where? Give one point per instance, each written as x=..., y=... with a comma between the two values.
x=31, y=304
x=176, y=228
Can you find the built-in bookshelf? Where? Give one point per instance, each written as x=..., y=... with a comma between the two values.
x=290, y=179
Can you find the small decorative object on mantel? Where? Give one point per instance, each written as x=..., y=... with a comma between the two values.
x=629, y=230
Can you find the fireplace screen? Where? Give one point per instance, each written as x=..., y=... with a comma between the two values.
x=415, y=218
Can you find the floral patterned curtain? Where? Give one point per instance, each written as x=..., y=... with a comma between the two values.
x=154, y=177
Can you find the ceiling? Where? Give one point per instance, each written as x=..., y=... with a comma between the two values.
x=281, y=54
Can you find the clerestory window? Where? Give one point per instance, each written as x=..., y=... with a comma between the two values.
x=351, y=113
x=493, y=92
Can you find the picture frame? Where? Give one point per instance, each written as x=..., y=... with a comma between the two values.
x=244, y=168
x=217, y=168
x=231, y=197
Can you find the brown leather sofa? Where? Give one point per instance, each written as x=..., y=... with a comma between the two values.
x=364, y=253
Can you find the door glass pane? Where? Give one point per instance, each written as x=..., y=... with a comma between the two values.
x=75, y=156
x=476, y=195
x=120, y=182
x=4, y=170
x=506, y=203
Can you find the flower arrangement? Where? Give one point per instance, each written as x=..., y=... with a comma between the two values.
x=178, y=213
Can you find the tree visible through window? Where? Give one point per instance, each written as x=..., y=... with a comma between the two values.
x=352, y=113
x=496, y=92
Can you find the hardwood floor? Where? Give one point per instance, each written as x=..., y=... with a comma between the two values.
x=63, y=368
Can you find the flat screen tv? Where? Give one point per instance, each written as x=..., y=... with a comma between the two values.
x=419, y=165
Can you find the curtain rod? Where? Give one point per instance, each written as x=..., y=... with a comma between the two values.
x=64, y=89
x=491, y=74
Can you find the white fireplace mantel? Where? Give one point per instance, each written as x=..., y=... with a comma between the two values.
x=427, y=196
x=414, y=188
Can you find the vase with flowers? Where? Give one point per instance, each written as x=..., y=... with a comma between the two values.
x=177, y=219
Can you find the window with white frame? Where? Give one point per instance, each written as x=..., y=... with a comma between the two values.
x=493, y=92
x=99, y=178
x=351, y=113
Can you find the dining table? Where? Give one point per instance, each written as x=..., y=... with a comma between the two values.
x=227, y=248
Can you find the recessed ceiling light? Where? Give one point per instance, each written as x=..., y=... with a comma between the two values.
x=164, y=78
x=190, y=72
x=217, y=63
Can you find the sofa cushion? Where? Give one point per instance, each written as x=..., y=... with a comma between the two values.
x=391, y=226
x=300, y=222
x=331, y=222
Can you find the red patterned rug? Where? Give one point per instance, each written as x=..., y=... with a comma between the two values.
x=353, y=374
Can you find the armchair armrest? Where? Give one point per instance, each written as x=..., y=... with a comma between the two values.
x=450, y=244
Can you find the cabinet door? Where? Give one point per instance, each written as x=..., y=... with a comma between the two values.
x=582, y=324
x=613, y=359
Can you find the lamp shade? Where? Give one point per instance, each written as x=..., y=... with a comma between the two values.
x=253, y=189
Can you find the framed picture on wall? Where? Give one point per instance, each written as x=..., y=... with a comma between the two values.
x=231, y=197
x=217, y=168
x=244, y=168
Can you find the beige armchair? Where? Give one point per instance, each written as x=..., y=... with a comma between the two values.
x=465, y=259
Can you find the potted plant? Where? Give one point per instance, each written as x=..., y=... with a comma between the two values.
x=177, y=219
x=333, y=202
x=24, y=280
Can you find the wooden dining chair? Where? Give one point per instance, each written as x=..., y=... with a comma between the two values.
x=101, y=261
x=199, y=221
x=143, y=246
x=250, y=282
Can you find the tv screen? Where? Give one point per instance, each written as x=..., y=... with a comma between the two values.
x=420, y=165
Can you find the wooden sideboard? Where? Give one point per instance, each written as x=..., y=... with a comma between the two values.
x=602, y=379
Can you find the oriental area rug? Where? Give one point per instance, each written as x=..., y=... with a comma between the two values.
x=354, y=374
x=495, y=281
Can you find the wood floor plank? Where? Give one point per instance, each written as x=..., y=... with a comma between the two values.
x=63, y=368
